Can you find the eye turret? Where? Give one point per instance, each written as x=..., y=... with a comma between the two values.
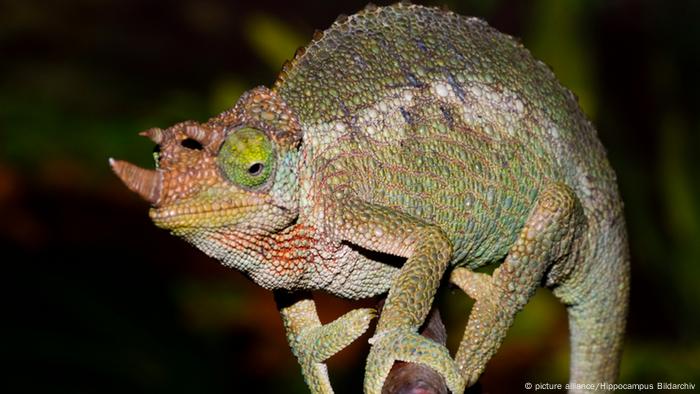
x=247, y=157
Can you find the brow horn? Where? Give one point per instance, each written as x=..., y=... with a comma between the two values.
x=204, y=136
x=146, y=183
x=155, y=134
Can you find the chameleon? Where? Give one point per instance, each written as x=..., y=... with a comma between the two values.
x=405, y=147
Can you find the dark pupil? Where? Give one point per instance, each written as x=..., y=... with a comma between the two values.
x=255, y=169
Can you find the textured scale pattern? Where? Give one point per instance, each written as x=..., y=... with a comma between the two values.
x=402, y=145
x=452, y=119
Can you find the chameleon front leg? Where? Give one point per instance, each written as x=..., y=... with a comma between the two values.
x=547, y=238
x=312, y=342
x=428, y=251
x=417, y=378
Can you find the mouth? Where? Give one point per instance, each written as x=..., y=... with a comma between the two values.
x=200, y=216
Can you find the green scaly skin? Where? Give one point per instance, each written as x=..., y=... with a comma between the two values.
x=422, y=134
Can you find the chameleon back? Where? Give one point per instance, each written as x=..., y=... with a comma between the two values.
x=442, y=117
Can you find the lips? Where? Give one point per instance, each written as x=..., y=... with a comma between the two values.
x=146, y=183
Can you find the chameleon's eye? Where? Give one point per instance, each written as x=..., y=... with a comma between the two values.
x=247, y=157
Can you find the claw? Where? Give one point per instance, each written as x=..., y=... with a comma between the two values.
x=323, y=342
x=405, y=345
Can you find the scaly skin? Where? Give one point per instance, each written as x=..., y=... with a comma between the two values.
x=417, y=133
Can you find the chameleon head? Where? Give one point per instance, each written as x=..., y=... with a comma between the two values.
x=231, y=178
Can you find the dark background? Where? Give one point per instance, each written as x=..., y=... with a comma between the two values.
x=97, y=300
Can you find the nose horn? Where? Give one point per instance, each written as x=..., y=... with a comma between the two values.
x=146, y=183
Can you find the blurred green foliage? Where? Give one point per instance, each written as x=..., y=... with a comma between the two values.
x=101, y=301
x=273, y=40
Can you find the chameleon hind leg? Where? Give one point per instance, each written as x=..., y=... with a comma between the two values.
x=312, y=342
x=546, y=238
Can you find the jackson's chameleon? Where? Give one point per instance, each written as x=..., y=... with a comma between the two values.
x=418, y=133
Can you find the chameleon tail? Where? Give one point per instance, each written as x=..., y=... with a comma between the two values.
x=597, y=322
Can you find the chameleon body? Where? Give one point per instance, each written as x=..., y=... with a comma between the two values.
x=412, y=132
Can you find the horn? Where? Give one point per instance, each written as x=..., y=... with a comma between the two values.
x=195, y=132
x=146, y=183
x=155, y=134
x=204, y=136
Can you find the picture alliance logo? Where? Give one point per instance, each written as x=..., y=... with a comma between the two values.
x=604, y=386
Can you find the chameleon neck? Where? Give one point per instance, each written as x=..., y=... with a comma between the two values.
x=295, y=259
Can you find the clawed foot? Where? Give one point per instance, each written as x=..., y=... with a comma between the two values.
x=319, y=343
x=316, y=344
x=405, y=345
